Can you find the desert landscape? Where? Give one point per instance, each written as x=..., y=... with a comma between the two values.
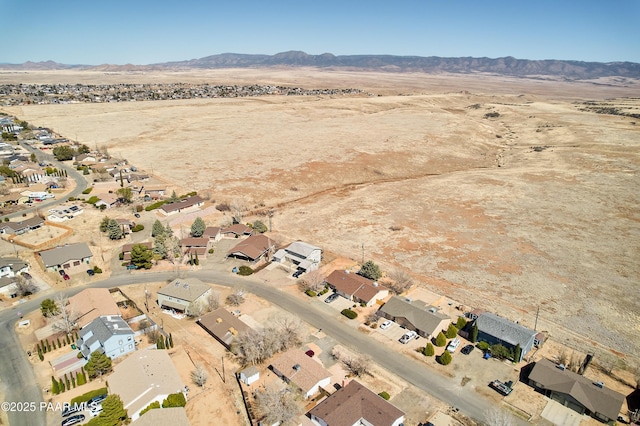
x=508, y=194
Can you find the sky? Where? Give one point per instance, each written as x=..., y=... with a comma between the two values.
x=142, y=32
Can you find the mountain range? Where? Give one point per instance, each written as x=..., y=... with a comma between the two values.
x=573, y=70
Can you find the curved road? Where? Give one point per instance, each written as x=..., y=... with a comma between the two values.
x=20, y=384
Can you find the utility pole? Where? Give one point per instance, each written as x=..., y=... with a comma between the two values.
x=270, y=221
x=535, y=328
x=363, y=253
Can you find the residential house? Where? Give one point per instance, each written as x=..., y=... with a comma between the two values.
x=356, y=288
x=195, y=246
x=92, y=303
x=253, y=248
x=186, y=205
x=107, y=200
x=415, y=315
x=22, y=226
x=144, y=377
x=213, y=233
x=180, y=293
x=126, y=250
x=108, y=334
x=154, y=192
x=494, y=329
x=126, y=225
x=301, y=255
x=223, y=326
x=575, y=391
x=250, y=375
x=299, y=369
x=236, y=231
x=355, y=404
x=8, y=287
x=12, y=266
x=70, y=257
x=86, y=158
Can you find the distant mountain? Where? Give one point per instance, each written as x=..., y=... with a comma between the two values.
x=432, y=65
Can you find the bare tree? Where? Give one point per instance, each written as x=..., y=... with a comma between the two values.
x=238, y=207
x=498, y=417
x=24, y=286
x=213, y=301
x=195, y=309
x=153, y=335
x=315, y=279
x=255, y=346
x=358, y=364
x=278, y=406
x=67, y=317
x=371, y=318
x=199, y=375
x=399, y=281
x=236, y=298
x=288, y=329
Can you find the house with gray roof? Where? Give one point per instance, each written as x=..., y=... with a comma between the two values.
x=22, y=226
x=300, y=255
x=415, y=315
x=575, y=391
x=180, y=293
x=12, y=266
x=108, y=334
x=70, y=257
x=497, y=330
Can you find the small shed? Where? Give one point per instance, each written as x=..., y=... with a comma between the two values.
x=249, y=375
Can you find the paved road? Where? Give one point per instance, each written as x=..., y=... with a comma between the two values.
x=20, y=385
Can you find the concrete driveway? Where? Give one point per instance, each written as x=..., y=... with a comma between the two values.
x=560, y=415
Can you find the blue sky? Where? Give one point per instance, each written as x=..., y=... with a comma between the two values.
x=146, y=31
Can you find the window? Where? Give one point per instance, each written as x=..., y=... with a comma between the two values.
x=121, y=350
x=76, y=263
x=120, y=342
x=130, y=346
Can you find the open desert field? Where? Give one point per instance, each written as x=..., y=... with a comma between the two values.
x=534, y=206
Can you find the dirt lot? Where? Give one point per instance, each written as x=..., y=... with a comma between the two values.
x=533, y=207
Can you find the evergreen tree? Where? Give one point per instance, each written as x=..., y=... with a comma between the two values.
x=452, y=331
x=445, y=358
x=429, y=350
x=170, y=340
x=160, y=343
x=157, y=228
x=113, y=412
x=61, y=384
x=141, y=256
x=198, y=227
x=517, y=353
x=55, y=386
x=474, y=333
x=168, y=232
x=441, y=340
x=114, y=230
x=370, y=270
x=98, y=364
x=104, y=224
x=461, y=323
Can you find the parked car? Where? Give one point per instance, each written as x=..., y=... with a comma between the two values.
x=66, y=277
x=95, y=410
x=96, y=400
x=27, y=275
x=503, y=388
x=331, y=298
x=467, y=350
x=78, y=418
x=137, y=215
x=71, y=409
x=297, y=273
x=131, y=266
x=62, y=272
x=90, y=272
x=453, y=345
x=408, y=336
x=386, y=324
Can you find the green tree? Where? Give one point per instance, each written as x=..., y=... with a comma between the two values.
x=461, y=323
x=452, y=331
x=113, y=413
x=7, y=171
x=98, y=364
x=83, y=149
x=114, y=230
x=7, y=136
x=370, y=270
x=63, y=152
x=157, y=229
x=174, y=400
x=33, y=158
x=474, y=333
x=159, y=247
x=153, y=405
x=260, y=227
x=445, y=358
x=441, y=340
x=48, y=308
x=173, y=198
x=517, y=353
x=429, y=350
x=55, y=386
x=168, y=232
x=125, y=195
x=197, y=227
x=141, y=256
x=104, y=224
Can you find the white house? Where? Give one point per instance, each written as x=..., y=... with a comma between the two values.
x=296, y=367
x=180, y=293
x=108, y=334
x=300, y=255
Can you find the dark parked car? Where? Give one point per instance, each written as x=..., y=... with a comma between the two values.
x=297, y=273
x=73, y=420
x=137, y=215
x=97, y=400
x=62, y=272
x=27, y=275
x=71, y=409
x=90, y=272
x=331, y=298
x=467, y=350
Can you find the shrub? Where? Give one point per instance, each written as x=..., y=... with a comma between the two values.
x=137, y=228
x=461, y=323
x=153, y=405
x=311, y=293
x=88, y=190
x=349, y=313
x=441, y=340
x=384, y=395
x=79, y=355
x=210, y=251
x=81, y=379
x=87, y=396
x=97, y=270
x=244, y=270
x=445, y=358
x=483, y=346
x=223, y=207
x=139, y=208
x=500, y=351
x=94, y=199
x=155, y=205
x=174, y=400
x=121, y=256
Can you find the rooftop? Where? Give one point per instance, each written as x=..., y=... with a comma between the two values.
x=185, y=289
x=60, y=255
x=302, y=370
